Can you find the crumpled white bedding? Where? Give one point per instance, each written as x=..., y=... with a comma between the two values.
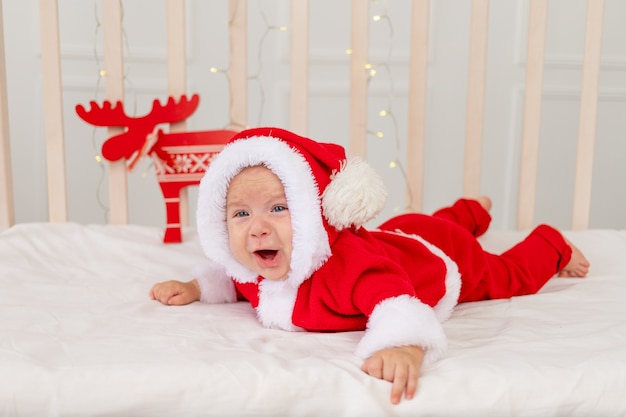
x=79, y=336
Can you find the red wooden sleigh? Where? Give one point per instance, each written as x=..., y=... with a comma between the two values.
x=180, y=158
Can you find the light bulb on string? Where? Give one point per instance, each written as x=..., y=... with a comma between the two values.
x=378, y=70
x=379, y=134
x=101, y=74
x=256, y=77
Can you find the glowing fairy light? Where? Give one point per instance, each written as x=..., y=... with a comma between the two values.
x=381, y=16
x=256, y=77
x=102, y=73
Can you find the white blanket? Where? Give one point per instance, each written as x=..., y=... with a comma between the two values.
x=79, y=336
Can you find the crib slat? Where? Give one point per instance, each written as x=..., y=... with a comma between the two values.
x=177, y=76
x=418, y=77
x=588, y=114
x=532, y=113
x=238, y=68
x=299, y=67
x=476, y=97
x=114, y=91
x=358, y=77
x=176, y=52
x=7, y=217
x=53, y=110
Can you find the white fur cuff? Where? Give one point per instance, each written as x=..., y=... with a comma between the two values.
x=403, y=321
x=215, y=286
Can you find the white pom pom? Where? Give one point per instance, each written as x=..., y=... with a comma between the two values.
x=355, y=195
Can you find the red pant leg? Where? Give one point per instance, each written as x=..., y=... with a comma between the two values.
x=467, y=213
x=521, y=270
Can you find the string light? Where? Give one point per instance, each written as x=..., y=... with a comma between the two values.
x=256, y=77
x=102, y=73
x=376, y=133
x=373, y=70
x=95, y=145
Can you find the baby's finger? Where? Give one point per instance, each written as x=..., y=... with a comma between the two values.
x=177, y=299
x=155, y=294
x=399, y=384
x=373, y=367
x=411, y=384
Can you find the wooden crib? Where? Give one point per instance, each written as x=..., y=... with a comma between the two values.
x=81, y=337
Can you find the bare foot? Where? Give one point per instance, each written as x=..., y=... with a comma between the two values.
x=578, y=266
x=484, y=201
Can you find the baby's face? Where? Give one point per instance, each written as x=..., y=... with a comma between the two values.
x=259, y=224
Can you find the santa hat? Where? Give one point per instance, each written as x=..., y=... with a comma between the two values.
x=326, y=193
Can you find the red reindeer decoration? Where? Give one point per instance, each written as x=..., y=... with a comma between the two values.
x=180, y=158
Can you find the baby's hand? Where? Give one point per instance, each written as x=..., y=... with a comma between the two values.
x=176, y=293
x=398, y=365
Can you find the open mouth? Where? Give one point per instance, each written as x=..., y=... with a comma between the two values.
x=266, y=254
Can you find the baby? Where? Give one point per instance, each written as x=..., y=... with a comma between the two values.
x=280, y=218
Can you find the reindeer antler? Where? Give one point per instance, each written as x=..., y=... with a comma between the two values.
x=138, y=128
x=105, y=115
x=173, y=111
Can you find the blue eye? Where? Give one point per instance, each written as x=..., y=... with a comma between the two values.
x=279, y=208
x=241, y=214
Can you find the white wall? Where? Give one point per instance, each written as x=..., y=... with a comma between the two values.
x=144, y=23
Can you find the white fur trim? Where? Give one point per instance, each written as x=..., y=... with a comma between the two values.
x=445, y=306
x=403, y=321
x=276, y=302
x=355, y=195
x=215, y=286
x=310, y=241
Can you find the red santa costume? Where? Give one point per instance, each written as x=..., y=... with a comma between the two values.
x=398, y=283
